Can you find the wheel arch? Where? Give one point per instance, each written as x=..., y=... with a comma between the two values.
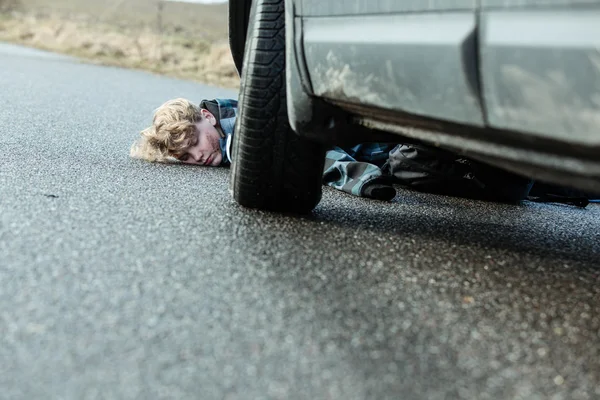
x=239, y=16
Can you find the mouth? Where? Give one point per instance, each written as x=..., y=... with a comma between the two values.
x=208, y=160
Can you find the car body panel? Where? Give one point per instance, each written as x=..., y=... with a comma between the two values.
x=517, y=4
x=322, y=8
x=423, y=64
x=542, y=75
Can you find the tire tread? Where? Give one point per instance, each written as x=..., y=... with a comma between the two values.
x=273, y=168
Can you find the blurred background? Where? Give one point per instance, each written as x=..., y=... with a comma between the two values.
x=185, y=39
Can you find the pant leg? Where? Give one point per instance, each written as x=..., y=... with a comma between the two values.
x=345, y=173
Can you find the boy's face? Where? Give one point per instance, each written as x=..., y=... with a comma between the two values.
x=204, y=149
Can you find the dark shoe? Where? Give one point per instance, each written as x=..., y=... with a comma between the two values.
x=380, y=192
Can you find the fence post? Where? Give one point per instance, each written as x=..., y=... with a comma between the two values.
x=159, y=28
x=159, y=20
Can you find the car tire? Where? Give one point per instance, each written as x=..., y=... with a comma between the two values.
x=273, y=168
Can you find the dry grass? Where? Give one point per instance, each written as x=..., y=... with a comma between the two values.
x=208, y=21
x=129, y=34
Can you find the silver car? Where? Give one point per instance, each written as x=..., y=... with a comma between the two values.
x=513, y=83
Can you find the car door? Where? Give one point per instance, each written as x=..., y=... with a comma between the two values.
x=413, y=56
x=540, y=68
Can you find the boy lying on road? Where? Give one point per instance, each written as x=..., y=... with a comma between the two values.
x=184, y=132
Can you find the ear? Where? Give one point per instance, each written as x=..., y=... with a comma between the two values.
x=209, y=116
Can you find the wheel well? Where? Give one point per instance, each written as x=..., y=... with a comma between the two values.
x=239, y=15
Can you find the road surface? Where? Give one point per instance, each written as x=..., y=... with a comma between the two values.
x=121, y=279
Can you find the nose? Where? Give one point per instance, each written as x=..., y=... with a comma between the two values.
x=197, y=156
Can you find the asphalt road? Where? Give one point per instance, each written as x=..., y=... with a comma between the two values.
x=121, y=279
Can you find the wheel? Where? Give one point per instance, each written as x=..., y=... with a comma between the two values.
x=273, y=168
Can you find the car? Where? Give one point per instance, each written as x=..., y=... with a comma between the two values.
x=515, y=84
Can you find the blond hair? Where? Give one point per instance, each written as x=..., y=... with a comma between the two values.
x=171, y=133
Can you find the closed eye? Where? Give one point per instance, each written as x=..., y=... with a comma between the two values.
x=183, y=157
